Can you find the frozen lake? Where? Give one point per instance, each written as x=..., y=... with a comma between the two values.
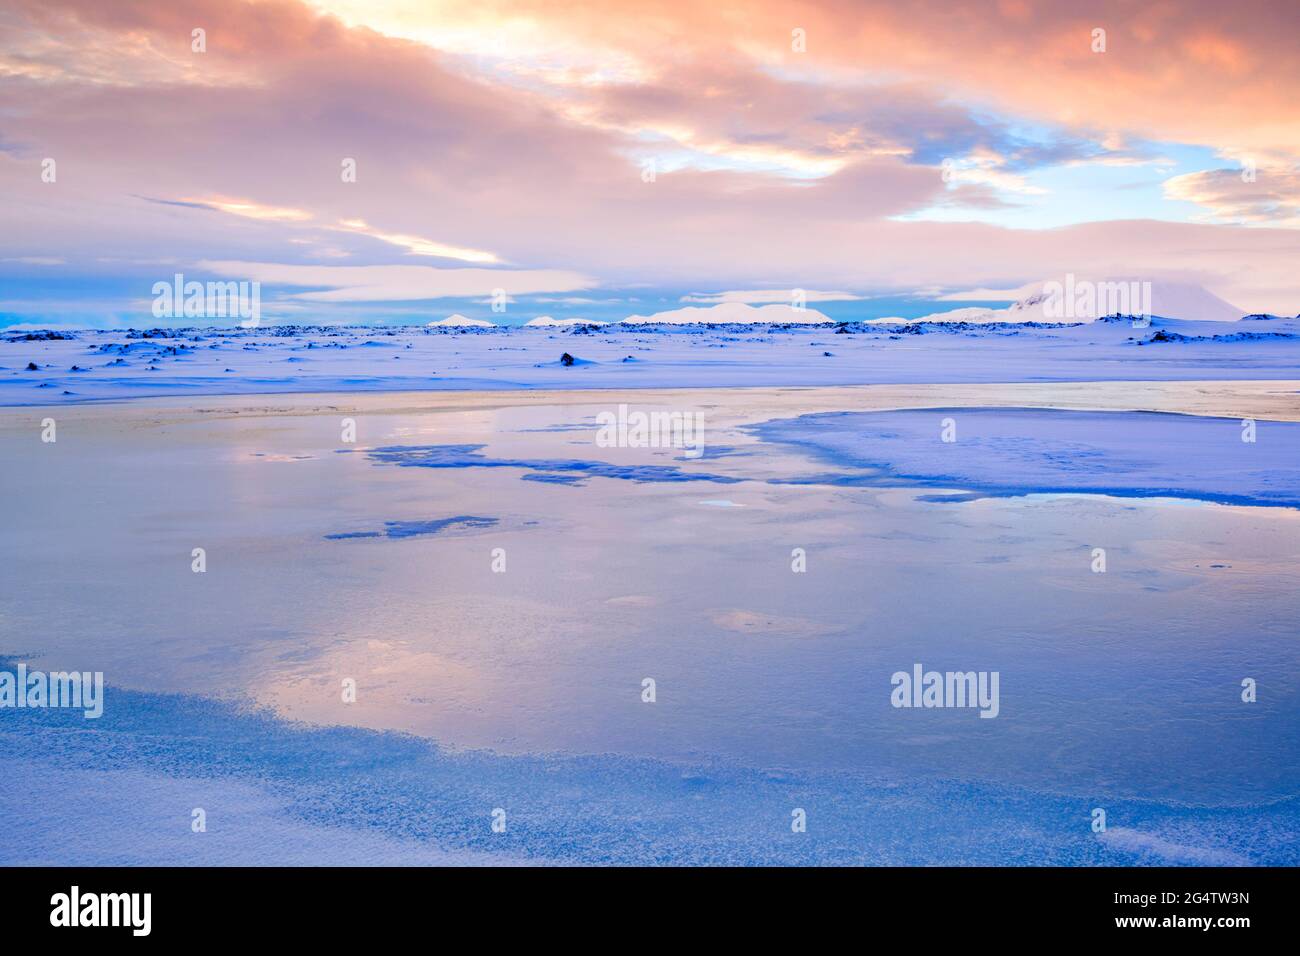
x=499, y=587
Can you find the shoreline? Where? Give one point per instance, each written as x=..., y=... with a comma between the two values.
x=1175, y=397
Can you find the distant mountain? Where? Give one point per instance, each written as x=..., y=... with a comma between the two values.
x=738, y=313
x=456, y=320
x=546, y=320
x=1084, y=300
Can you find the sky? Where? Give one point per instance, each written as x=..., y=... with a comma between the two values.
x=395, y=161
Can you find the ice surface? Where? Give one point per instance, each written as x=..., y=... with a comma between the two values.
x=276, y=793
x=1017, y=451
x=412, y=529
x=557, y=470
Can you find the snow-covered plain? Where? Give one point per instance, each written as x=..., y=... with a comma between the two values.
x=95, y=365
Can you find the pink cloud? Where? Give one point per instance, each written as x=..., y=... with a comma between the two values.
x=544, y=173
